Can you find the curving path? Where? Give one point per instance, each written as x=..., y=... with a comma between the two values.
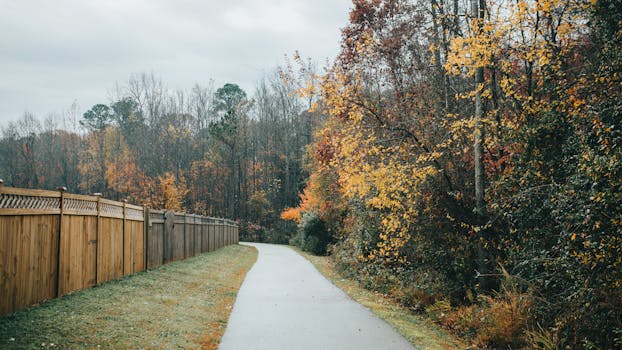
x=285, y=303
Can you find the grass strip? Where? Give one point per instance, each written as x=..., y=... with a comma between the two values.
x=182, y=305
x=422, y=333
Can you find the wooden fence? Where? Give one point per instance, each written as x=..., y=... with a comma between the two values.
x=53, y=243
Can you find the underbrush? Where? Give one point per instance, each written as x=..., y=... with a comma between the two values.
x=502, y=320
x=312, y=235
x=497, y=322
x=276, y=234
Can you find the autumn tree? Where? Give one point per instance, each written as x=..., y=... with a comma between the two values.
x=477, y=144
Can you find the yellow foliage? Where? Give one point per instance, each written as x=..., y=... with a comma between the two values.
x=387, y=177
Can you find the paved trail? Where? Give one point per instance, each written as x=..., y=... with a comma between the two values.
x=286, y=304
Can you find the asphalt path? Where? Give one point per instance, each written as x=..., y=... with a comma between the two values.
x=285, y=303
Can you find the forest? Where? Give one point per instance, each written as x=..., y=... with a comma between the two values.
x=470, y=166
x=211, y=151
x=462, y=157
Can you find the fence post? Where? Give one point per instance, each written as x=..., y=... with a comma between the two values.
x=218, y=233
x=146, y=222
x=62, y=190
x=123, y=240
x=183, y=235
x=224, y=233
x=198, y=230
x=169, y=226
x=97, y=230
x=190, y=228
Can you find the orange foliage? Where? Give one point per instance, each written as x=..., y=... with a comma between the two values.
x=166, y=192
x=293, y=214
x=309, y=202
x=124, y=177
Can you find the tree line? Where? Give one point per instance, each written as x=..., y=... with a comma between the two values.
x=212, y=151
x=470, y=166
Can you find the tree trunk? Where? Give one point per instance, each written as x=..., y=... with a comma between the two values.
x=477, y=8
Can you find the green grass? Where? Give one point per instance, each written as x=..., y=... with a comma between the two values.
x=182, y=305
x=420, y=332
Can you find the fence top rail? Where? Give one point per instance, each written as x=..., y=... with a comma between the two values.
x=111, y=202
x=23, y=201
x=193, y=219
x=133, y=206
x=29, y=192
x=81, y=197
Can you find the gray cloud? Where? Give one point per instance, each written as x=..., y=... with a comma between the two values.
x=55, y=52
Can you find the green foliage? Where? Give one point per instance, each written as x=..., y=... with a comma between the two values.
x=228, y=99
x=391, y=186
x=129, y=117
x=276, y=236
x=97, y=118
x=312, y=235
x=260, y=208
x=279, y=233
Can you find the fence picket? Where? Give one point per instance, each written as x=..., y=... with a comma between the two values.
x=53, y=242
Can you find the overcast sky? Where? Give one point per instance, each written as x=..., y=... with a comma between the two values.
x=53, y=53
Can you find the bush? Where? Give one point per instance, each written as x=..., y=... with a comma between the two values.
x=500, y=322
x=251, y=232
x=421, y=287
x=276, y=236
x=506, y=319
x=296, y=240
x=279, y=233
x=377, y=278
x=312, y=235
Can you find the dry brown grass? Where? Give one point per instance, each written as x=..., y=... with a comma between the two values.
x=496, y=323
x=182, y=305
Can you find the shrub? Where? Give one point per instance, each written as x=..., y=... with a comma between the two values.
x=420, y=287
x=505, y=319
x=279, y=233
x=312, y=235
x=276, y=236
x=296, y=240
x=441, y=312
x=377, y=278
x=542, y=339
x=251, y=232
x=465, y=320
x=500, y=322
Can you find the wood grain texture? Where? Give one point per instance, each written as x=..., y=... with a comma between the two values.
x=28, y=246
x=48, y=251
